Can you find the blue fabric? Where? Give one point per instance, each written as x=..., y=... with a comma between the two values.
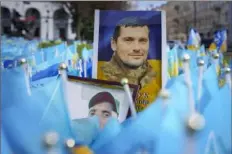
x=172, y=136
x=179, y=98
x=89, y=68
x=61, y=48
x=85, y=129
x=13, y=87
x=49, y=72
x=8, y=63
x=110, y=131
x=5, y=147
x=55, y=115
x=73, y=48
x=22, y=114
x=38, y=57
x=49, y=53
x=137, y=133
x=210, y=80
x=218, y=120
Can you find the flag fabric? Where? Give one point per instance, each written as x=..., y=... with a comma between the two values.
x=223, y=47
x=24, y=116
x=109, y=132
x=138, y=133
x=86, y=129
x=5, y=146
x=172, y=136
x=208, y=89
x=49, y=53
x=193, y=41
x=48, y=72
x=173, y=62
x=218, y=120
x=179, y=95
x=33, y=107
x=13, y=87
x=56, y=110
x=20, y=115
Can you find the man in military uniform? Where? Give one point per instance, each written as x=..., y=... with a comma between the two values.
x=130, y=43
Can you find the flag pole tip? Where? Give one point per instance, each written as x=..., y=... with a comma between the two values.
x=51, y=139
x=164, y=94
x=23, y=61
x=63, y=66
x=70, y=143
x=196, y=122
x=200, y=62
x=186, y=58
x=227, y=70
x=216, y=56
x=124, y=81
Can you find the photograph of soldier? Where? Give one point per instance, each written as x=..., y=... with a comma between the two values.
x=135, y=54
x=130, y=43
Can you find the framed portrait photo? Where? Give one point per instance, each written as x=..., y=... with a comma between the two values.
x=90, y=97
x=132, y=45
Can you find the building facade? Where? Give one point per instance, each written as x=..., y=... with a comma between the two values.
x=230, y=27
x=53, y=21
x=205, y=16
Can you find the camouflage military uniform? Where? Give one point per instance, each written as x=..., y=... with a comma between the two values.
x=114, y=70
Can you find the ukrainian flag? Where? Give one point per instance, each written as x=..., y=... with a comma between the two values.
x=173, y=63
x=193, y=43
x=223, y=47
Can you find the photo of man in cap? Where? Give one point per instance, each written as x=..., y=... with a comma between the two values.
x=103, y=105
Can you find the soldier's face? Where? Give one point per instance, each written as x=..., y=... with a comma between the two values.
x=103, y=111
x=132, y=45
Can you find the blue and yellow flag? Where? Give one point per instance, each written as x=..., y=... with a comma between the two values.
x=173, y=62
x=193, y=43
x=223, y=47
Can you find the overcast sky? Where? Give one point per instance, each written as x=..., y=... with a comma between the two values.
x=146, y=4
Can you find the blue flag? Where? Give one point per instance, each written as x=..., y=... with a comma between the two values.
x=5, y=147
x=86, y=129
x=218, y=120
x=49, y=72
x=139, y=133
x=110, y=131
x=171, y=137
x=22, y=113
x=210, y=87
x=179, y=97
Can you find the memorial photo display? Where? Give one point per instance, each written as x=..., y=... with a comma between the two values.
x=91, y=97
x=131, y=44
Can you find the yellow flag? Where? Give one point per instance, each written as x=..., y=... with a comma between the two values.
x=212, y=47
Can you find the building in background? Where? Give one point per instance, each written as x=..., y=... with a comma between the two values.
x=205, y=16
x=53, y=21
x=230, y=27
